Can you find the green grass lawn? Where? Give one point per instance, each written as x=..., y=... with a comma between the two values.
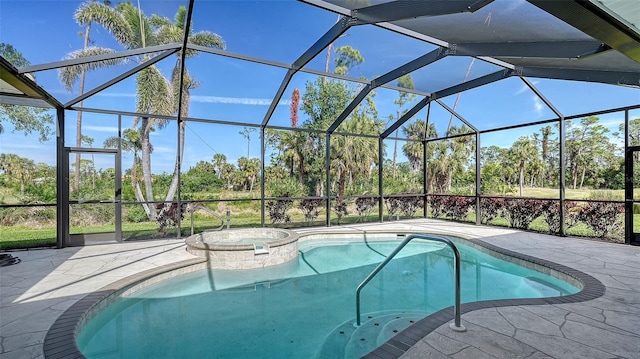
x=246, y=214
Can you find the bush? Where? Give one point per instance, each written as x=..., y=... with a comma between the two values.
x=365, y=205
x=393, y=205
x=340, y=209
x=309, y=208
x=491, y=208
x=409, y=205
x=551, y=213
x=135, y=214
x=602, y=217
x=454, y=207
x=168, y=215
x=437, y=206
x=520, y=212
x=278, y=208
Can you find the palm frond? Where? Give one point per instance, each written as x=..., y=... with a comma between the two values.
x=154, y=92
x=159, y=21
x=70, y=74
x=107, y=17
x=141, y=28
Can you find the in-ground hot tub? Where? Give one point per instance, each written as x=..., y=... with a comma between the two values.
x=245, y=248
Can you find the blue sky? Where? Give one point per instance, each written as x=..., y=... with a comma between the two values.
x=232, y=90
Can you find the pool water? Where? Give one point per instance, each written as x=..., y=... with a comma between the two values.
x=304, y=309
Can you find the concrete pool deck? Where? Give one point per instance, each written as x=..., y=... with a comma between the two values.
x=35, y=292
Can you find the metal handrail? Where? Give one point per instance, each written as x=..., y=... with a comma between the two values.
x=456, y=308
x=222, y=222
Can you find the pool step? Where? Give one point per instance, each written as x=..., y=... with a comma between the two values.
x=348, y=341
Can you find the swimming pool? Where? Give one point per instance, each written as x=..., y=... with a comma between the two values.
x=305, y=308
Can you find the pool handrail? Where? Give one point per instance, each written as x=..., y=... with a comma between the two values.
x=456, y=325
x=222, y=223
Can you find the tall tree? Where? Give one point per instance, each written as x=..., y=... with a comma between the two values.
x=20, y=167
x=172, y=32
x=24, y=118
x=586, y=145
x=246, y=133
x=522, y=152
x=84, y=16
x=404, y=81
x=132, y=29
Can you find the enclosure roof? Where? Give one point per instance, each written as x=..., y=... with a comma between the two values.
x=578, y=40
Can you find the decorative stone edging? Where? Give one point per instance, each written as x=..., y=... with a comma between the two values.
x=401, y=342
x=60, y=341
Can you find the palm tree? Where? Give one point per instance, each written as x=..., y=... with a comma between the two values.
x=132, y=29
x=404, y=81
x=84, y=16
x=522, y=151
x=171, y=32
x=416, y=130
x=131, y=142
x=20, y=167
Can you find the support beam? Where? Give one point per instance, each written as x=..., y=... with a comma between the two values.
x=588, y=75
x=409, y=9
x=541, y=96
x=480, y=81
x=562, y=173
x=457, y=115
x=330, y=36
x=180, y=119
x=98, y=58
x=350, y=107
x=380, y=180
x=546, y=49
x=24, y=84
x=419, y=106
x=409, y=67
x=596, y=21
x=62, y=182
x=117, y=79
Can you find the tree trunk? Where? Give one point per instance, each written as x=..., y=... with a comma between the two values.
x=76, y=180
x=146, y=165
x=521, y=179
x=584, y=169
x=173, y=187
x=395, y=151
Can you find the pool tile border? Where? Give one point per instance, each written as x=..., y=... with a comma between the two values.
x=395, y=347
x=60, y=341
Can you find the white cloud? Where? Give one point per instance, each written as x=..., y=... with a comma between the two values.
x=109, y=129
x=237, y=100
x=538, y=105
x=524, y=88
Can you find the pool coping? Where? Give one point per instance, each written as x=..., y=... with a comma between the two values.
x=60, y=340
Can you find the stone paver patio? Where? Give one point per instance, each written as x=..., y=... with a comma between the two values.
x=34, y=293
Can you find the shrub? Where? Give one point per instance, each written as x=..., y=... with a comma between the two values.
x=601, y=217
x=169, y=216
x=310, y=208
x=409, y=205
x=365, y=205
x=520, y=212
x=278, y=208
x=340, y=209
x=135, y=214
x=551, y=213
x=457, y=207
x=491, y=208
x=437, y=206
x=393, y=205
